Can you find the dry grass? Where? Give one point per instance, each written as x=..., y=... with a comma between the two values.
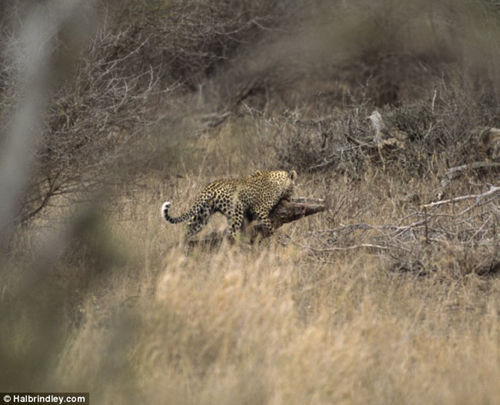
x=273, y=324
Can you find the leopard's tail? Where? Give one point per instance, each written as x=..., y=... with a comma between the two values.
x=173, y=220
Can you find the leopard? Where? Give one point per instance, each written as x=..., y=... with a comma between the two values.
x=253, y=197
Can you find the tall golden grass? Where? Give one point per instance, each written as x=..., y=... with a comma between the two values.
x=272, y=323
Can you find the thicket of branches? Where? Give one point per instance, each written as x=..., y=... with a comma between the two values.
x=124, y=88
x=449, y=126
x=110, y=80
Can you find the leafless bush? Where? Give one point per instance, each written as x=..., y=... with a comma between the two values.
x=109, y=93
x=443, y=125
x=92, y=123
x=187, y=41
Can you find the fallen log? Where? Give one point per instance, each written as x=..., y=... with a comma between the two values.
x=254, y=230
x=455, y=172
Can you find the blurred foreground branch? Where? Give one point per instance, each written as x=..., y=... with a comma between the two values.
x=33, y=58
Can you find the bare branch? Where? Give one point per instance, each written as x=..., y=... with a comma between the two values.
x=491, y=191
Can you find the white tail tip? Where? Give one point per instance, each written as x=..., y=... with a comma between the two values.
x=164, y=208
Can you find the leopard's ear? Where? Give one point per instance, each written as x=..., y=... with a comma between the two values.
x=258, y=173
x=293, y=175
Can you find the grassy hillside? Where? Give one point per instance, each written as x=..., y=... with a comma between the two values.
x=383, y=298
